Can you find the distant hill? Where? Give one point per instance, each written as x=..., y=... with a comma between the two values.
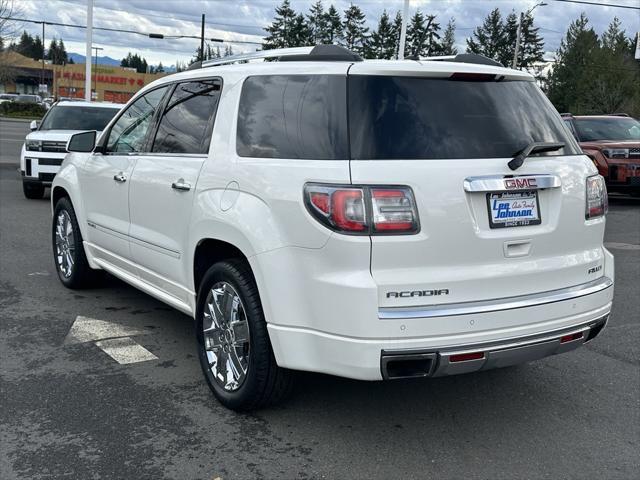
x=78, y=58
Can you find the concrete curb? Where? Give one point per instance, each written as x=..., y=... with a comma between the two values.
x=18, y=120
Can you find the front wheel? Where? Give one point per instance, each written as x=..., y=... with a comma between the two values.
x=68, y=250
x=233, y=342
x=32, y=190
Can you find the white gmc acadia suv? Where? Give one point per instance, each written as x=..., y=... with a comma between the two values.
x=367, y=219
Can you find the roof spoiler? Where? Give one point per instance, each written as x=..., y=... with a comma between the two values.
x=465, y=58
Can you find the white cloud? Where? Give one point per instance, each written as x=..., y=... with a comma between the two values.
x=245, y=20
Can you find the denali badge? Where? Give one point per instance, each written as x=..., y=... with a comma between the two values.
x=417, y=293
x=520, y=183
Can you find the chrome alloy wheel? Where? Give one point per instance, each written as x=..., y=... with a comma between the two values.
x=226, y=336
x=65, y=244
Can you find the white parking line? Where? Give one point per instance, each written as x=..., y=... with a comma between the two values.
x=113, y=339
x=125, y=350
x=86, y=329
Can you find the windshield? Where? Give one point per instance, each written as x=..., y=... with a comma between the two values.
x=394, y=117
x=607, y=128
x=27, y=98
x=77, y=118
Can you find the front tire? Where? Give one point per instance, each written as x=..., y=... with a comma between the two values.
x=32, y=190
x=233, y=343
x=68, y=250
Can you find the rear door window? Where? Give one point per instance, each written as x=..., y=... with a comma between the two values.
x=392, y=117
x=187, y=120
x=293, y=117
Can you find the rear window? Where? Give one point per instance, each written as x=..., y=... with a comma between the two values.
x=428, y=118
x=294, y=117
x=187, y=120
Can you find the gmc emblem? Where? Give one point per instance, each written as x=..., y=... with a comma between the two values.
x=520, y=183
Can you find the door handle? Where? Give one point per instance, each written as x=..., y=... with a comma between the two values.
x=119, y=177
x=181, y=185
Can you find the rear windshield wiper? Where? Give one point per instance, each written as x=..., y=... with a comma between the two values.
x=533, y=147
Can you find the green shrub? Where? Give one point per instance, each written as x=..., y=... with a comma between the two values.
x=16, y=109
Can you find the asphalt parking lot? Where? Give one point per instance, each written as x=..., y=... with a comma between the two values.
x=69, y=410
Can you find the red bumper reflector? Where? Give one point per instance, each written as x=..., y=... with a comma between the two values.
x=463, y=357
x=571, y=338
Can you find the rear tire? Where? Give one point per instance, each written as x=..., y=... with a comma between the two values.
x=68, y=250
x=33, y=191
x=237, y=340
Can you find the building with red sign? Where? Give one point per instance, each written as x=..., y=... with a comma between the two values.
x=109, y=83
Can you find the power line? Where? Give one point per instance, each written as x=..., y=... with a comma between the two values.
x=191, y=19
x=120, y=30
x=598, y=4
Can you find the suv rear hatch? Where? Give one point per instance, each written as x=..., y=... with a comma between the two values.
x=486, y=232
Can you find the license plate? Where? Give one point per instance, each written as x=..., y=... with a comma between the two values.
x=513, y=209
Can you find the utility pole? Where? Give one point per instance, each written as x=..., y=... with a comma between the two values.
x=403, y=30
x=43, y=50
x=95, y=70
x=202, y=40
x=514, y=64
x=87, y=56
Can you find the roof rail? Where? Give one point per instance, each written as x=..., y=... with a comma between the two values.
x=322, y=53
x=465, y=58
x=566, y=114
x=620, y=114
x=261, y=54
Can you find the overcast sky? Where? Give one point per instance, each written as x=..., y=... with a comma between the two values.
x=245, y=20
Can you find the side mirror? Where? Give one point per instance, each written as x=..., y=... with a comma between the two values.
x=33, y=125
x=82, y=142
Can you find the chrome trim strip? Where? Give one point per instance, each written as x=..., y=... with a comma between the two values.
x=495, y=305
x=493, y=183
x=136, y=240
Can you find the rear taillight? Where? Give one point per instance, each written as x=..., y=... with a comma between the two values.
x=363, y=210
x=597, y=202
x=393, y=210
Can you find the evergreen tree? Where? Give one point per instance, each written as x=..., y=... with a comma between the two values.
x=397, y=30
x=38, y=48
x=228, y=51
x=279, y=32
x=299, y=34
x=448, y=45
x=135, y=61
x=52, y=53
x=63, y=56
x=531, y=43
x=354, y=30
x=615, y=39
x=422, y=36
x=57, y=53
x=573, y=57
x=160, y=68
x=318, y=24
x=383, y=42
x=490, y=38
x=334, y=26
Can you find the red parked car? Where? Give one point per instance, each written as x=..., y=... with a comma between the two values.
x=613, y=143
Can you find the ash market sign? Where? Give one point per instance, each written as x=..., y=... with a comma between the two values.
x=100, y=78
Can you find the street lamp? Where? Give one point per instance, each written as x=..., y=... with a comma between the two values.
x=519, y=32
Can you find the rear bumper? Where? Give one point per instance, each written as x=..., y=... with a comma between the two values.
x=505, y=337
x=473, y=358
